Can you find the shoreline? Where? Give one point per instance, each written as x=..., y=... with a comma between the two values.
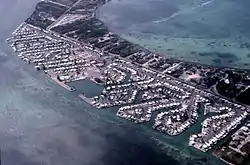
x=62, y=84
x=86, y=99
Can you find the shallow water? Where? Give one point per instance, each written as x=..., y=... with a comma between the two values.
x=214, y=32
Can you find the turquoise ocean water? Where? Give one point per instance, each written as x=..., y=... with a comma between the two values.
x=213, y=32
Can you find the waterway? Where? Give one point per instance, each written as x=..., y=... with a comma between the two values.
x=213, y=32
x=42, y=123
x=87, y=87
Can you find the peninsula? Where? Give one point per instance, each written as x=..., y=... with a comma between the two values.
x=64, y=39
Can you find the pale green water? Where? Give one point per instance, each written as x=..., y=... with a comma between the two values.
x=185, y=29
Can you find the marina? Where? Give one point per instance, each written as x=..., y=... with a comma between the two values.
x=77, y=64
x=137, y=85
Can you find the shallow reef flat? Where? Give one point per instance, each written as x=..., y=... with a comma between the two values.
x=185, y=30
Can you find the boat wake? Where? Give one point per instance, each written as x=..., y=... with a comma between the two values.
x=203, y=4
x=182, y=12
x=168, y=18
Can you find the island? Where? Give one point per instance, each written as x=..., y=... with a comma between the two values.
x=65, y=40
